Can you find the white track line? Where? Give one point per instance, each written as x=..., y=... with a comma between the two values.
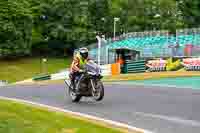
x=171, y=119
x=116, y=124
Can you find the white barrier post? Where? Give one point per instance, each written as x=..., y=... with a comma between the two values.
x=3, y=82
x=99, y=49
x=106, y=70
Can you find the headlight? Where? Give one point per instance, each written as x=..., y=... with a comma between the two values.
x=91, y=73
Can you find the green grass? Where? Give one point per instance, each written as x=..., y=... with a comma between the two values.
x=21, y=69
x=20, y=118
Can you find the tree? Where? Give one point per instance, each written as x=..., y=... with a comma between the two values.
x=190, y=11
x=15, y=28
x=57, y=24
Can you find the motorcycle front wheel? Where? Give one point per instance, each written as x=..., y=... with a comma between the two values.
x=74, y=96
x=99, y=94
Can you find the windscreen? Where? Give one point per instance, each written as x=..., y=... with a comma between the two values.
x=92, y=67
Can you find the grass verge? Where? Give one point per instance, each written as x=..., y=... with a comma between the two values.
x=26, y=68
x=21, y=118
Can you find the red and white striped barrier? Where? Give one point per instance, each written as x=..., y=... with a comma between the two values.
x=156, y=65
x=191, y=63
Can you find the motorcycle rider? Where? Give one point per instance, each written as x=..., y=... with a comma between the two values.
x=79, y=60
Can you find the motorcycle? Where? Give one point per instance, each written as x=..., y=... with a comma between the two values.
x=89, y=84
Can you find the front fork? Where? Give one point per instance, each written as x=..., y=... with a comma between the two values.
x=93, y=87
x=79, y=81
x=68, y=83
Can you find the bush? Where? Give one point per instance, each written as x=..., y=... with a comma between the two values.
x=173, y=66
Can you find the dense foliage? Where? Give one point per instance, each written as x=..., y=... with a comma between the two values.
x=49, y=26
x=15, y=27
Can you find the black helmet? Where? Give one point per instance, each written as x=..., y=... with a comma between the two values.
x=83, y=52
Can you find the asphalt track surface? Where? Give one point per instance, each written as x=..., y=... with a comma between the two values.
x=158, y=109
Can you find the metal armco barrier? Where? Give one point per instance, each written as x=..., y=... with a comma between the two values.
x=135, y=66
x=109, y=69
x=42, y=77
x=61, y=75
